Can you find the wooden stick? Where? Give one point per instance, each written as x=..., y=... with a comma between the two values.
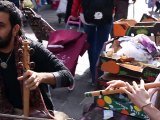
x=26, y=96
x=26, y=91
x=117, y=90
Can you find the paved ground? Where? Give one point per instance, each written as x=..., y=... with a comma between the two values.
x=72, y=102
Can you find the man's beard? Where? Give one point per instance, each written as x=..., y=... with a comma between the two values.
x=4, y=42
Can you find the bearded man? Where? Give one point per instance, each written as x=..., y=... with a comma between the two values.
x=47, y=71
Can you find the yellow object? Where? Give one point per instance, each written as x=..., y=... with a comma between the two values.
x=108, y=100
x=28, y=3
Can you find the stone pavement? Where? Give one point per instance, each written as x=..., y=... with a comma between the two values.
x=72, y=102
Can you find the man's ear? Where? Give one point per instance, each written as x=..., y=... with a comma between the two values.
x=16, y=29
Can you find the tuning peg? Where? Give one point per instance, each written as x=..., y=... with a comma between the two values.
x=32, y=65
x=20, y=51
x=31, y=51
x=20, y=65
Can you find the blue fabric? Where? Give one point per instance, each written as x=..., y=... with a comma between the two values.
x=97, y=35
x=151, y=3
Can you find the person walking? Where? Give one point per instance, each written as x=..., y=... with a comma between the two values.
x=121, y=9
x=97, y=34
x=157, y=6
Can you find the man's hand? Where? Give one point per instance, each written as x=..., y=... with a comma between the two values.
x=137, y=94
x=32, y=79
x=115, y=84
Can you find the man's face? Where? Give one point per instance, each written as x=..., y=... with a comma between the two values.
x=5, y=30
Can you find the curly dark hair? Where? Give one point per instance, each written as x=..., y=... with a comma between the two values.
x=15, y=15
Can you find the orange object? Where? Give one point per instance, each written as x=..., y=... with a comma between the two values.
x=125, y=112
x=132, y=67
x=110, y=66
x=101, y=102
x=121, y=26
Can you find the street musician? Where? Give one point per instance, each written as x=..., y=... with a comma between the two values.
x=47, y=71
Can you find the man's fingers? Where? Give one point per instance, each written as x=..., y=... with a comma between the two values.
x=135, y=85
x=20, y=78
x=126, y=91
x=25, y=75
x=111, y=82
x=34, y=84
x=142, y=83
x=109, y=87
x=130, y=88
x=117, y=83
x=31, y=79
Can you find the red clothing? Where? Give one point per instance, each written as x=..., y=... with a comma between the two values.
x=76, y=8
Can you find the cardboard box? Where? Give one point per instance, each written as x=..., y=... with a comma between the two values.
x=113, y=66
x=102, y=80
x=121, y=26
x=130, y=27
x=148, y=18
